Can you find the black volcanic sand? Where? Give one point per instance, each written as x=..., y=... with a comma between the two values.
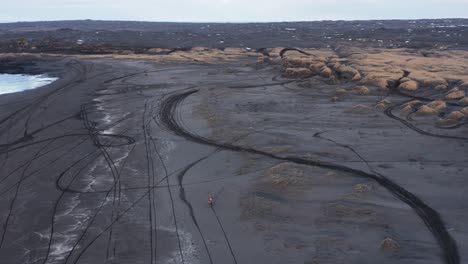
x=114, y=162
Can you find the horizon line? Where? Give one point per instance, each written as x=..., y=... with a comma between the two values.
x=232, y=22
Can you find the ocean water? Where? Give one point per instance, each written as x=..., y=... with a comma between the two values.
x=12, y=83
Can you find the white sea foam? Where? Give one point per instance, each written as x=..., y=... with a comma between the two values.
x=12, y=83
x=189, y=251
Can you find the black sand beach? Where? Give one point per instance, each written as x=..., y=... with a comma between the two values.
x=114, y=162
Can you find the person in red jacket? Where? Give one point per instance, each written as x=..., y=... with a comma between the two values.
x=210, y=200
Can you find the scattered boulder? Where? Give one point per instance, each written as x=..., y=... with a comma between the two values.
x=454, y=95
x=441, y=87
x=428, y=82
x=126, y=52
x=464, y=85
x=389, y=245
x=455, y=116
x=326, y=72
x=297, y=73
x=464, y=111
x=356, y=77
x=262, y=59
x=334, y=64
x=359, y=109
x=349, y=73
x=362, y=90
x=157, y=51
x=385, y=101
x=464, y=101
x=380, y=106
x=296, y=62
x=407, y=108
x=380, y=83
x=437, y=105
x=409, y=86
x=426, y=110
x=405, y=79
x=340, y=91
x=316, y=67
x=413, y=102
x=199, y=49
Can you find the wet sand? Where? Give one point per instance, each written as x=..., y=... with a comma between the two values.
x=114, y=163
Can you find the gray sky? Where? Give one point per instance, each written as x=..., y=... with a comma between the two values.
x=230, y=10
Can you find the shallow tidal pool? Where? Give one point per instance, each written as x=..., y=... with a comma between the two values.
x=12, y=83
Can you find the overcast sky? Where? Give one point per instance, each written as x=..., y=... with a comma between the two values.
x=229, y=10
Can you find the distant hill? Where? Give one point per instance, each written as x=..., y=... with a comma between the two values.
x=86, y=36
